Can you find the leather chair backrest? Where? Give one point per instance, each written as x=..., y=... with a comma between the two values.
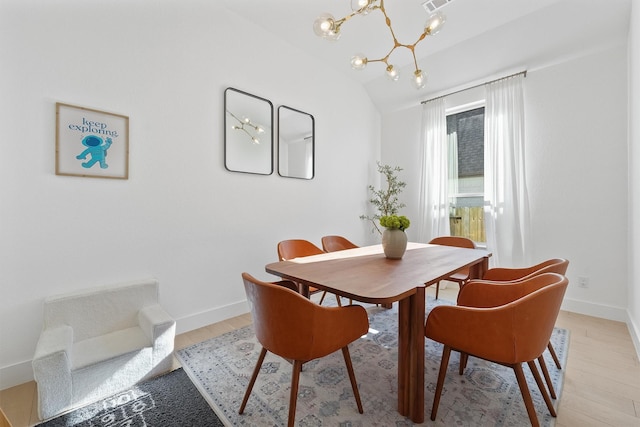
x=555, y=265
x=460, y=242
x=296, y=248
x=336, y=243
x=486, y=293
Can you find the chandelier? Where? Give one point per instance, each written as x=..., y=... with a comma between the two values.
x=327, y=27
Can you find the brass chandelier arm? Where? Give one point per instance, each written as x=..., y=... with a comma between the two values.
x=337, y=24
x=385, y=58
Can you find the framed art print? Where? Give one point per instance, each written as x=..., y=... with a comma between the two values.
x=91, y=143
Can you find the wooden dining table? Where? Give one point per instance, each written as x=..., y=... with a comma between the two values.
x=365, y=274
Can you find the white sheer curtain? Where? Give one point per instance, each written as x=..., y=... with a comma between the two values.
x=506, y=199
x=452, y=139
x=434, y=203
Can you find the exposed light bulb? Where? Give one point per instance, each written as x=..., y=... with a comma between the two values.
x=392, y=73
x=434, y=23
x=358, y=62
x=364, y=6
x=358, y=4
x=325, y=26
x=419, y=79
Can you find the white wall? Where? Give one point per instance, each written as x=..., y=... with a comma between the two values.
x=400, y=147
x=180, y=216
x=576, y=160
x=576, y=136
x=634, y=176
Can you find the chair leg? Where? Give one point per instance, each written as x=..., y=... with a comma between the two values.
x=526, y=396
x=324, y=294
x=444, y=363
x=553, y=354
x=437, y=289
x=256, y=370
x=547, y=377
x=352, y=377
x=541, y=387
x=295, y=380
x=463, y=362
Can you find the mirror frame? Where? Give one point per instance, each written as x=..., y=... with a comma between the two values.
x=247, y=105
x=282, y=124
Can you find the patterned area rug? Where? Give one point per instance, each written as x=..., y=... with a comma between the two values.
x=487, y=394
x=170, y=400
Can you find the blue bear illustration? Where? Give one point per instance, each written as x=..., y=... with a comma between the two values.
x=97, y=148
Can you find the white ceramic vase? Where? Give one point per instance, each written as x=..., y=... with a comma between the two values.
x=394, y=243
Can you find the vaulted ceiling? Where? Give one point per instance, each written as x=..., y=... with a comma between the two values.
x=481, y=40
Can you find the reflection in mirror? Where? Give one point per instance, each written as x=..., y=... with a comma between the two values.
x=296, y=142
x=248, y=133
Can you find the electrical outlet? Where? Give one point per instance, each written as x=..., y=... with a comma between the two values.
x=583, y=282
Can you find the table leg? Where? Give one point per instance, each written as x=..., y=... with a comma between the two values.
x=304, y=290
x=411, y=356
x=477, y=271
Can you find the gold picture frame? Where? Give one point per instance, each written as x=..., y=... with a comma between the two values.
x=91, y=143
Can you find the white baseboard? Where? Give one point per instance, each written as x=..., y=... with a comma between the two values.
x=13, y=375
x=22, y=372
x=204, y=318
x=634, y=330
x=603, y=311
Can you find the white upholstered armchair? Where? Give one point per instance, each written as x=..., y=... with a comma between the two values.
x=99, y=342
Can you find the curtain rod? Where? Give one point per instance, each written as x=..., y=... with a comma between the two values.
x=524, y=73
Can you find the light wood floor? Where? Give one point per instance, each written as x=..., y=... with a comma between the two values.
x=601, y=385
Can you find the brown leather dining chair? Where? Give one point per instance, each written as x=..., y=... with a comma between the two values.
x=336, y=243
x=290, y=326
x=296, y=248
x=461, y=277
x=507, y=276
x=519, y=330
x=554, y=265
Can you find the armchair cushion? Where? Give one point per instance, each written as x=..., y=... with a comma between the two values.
x=108, y=346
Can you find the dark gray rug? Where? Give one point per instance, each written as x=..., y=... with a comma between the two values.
x=165, y=401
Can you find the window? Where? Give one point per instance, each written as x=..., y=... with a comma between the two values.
x=465, y=132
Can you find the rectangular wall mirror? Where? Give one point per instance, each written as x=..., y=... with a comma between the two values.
x=248, y=133
x=296, y=143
